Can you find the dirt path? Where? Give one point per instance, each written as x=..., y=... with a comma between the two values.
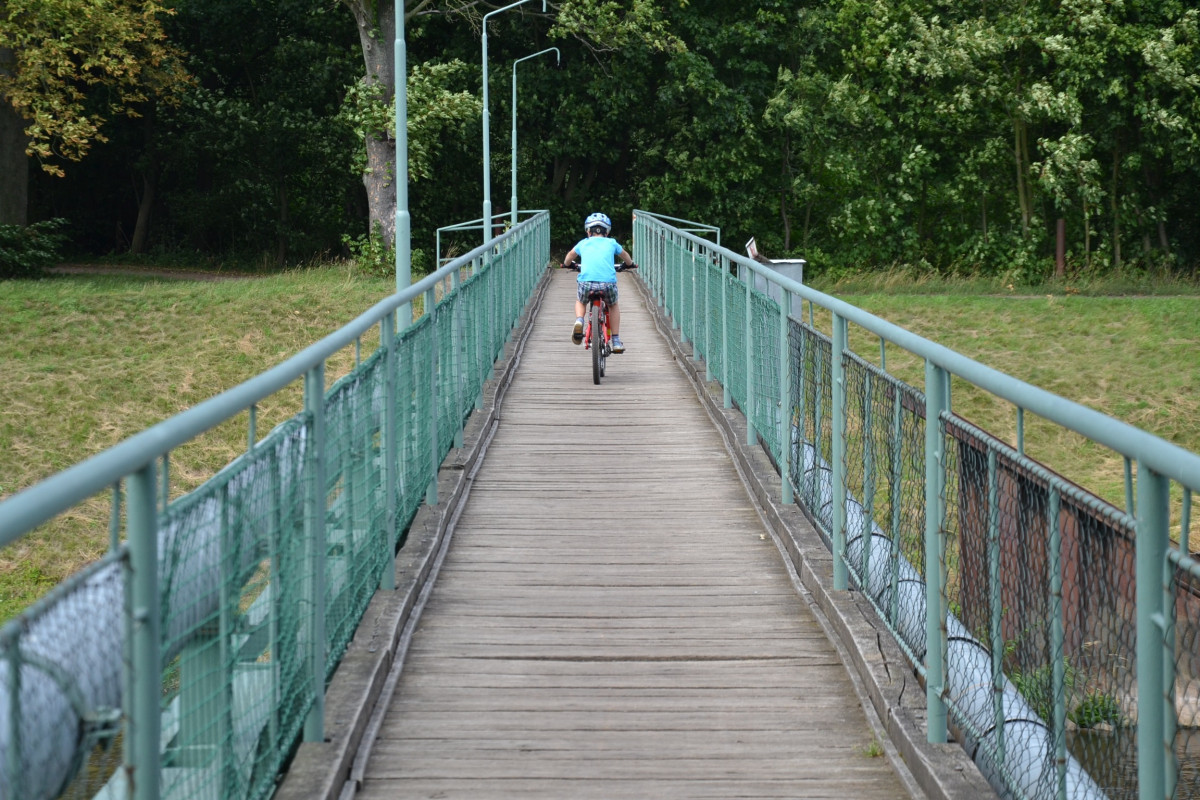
x=147, y=272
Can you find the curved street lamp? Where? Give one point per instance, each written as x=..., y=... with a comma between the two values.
x=487, y=151
x=557, y=60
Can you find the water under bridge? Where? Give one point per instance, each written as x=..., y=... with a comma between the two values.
x=465, y=570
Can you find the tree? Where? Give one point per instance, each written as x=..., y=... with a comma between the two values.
x=444, y=106
x=66, y=67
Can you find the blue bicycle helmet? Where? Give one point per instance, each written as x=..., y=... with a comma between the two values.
x=597, y=220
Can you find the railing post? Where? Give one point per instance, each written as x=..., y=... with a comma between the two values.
x=935, y=610
x=1170, y=722
x=841, y=576
x=391, y=450
x=751, y=436
x=868, y=503
x=680, y=311
x=785, y=400
x=456, y=342
x=431, y=492
x=996, y=642
x=478, y=327
x=664, y=272
x=696, y=352
x=1058, y=676
x=708, y=337
x=142, y=727
x=695, y=317
x=1152, y=538
x=314, y=530
x=895, y=476
x=13, y=767
x=726, y=397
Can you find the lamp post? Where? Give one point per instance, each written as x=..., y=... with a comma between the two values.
x=403, y=220
x=557, y=60
x=487, y=152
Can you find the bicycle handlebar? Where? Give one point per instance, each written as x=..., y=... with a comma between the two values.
x=575, y=265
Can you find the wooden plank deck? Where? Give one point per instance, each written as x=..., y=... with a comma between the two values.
x=612, y=619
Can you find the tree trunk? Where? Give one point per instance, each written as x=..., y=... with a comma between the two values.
x=1116, y=217
x=14, y=168
x=560, y=174
x=983, y=215
x=787, y=223
x=1087, y=235
x=142, y=228
x=1060, y=248
x=808, y=207
x=14, y=164
x=281, y=242
x=377, y=35
x=1020, y=157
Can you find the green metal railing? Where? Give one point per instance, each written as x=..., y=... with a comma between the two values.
x=1057, y=632
x=190, y=659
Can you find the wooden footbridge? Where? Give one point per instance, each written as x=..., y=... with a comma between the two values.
x=464, y=570
x=609, y=615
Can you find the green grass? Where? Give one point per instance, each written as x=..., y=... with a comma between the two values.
x=1132, y=357
x=89, y=361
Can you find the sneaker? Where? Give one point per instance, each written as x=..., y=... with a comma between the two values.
x=577, y=332
x=617, y=345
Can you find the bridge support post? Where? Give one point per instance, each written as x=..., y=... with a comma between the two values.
x=936, y=384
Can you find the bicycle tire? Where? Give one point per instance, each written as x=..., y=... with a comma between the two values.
x=597, y=343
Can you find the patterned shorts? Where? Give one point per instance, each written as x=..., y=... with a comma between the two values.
x=587, y=287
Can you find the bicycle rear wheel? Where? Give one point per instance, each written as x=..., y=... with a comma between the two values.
x=597, y=323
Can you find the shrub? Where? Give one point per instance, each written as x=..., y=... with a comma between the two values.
x=1097, y=708
x=27, y=250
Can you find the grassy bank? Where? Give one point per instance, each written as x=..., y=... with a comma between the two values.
x=90, y=360
x=1126, y=349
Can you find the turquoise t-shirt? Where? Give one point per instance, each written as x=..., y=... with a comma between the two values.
x=596, y=254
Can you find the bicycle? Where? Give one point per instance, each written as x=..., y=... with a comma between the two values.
x=595, y=318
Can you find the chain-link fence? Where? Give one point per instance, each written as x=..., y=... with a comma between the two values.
x=1067, y=654
x=189, y=661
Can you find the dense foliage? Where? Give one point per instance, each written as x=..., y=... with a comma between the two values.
x=70, y=65
x=952, y=136
x=27, y=250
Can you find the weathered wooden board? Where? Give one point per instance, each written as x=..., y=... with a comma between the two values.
x=612, y=619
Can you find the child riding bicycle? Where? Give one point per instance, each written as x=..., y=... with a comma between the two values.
x=597, y=272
